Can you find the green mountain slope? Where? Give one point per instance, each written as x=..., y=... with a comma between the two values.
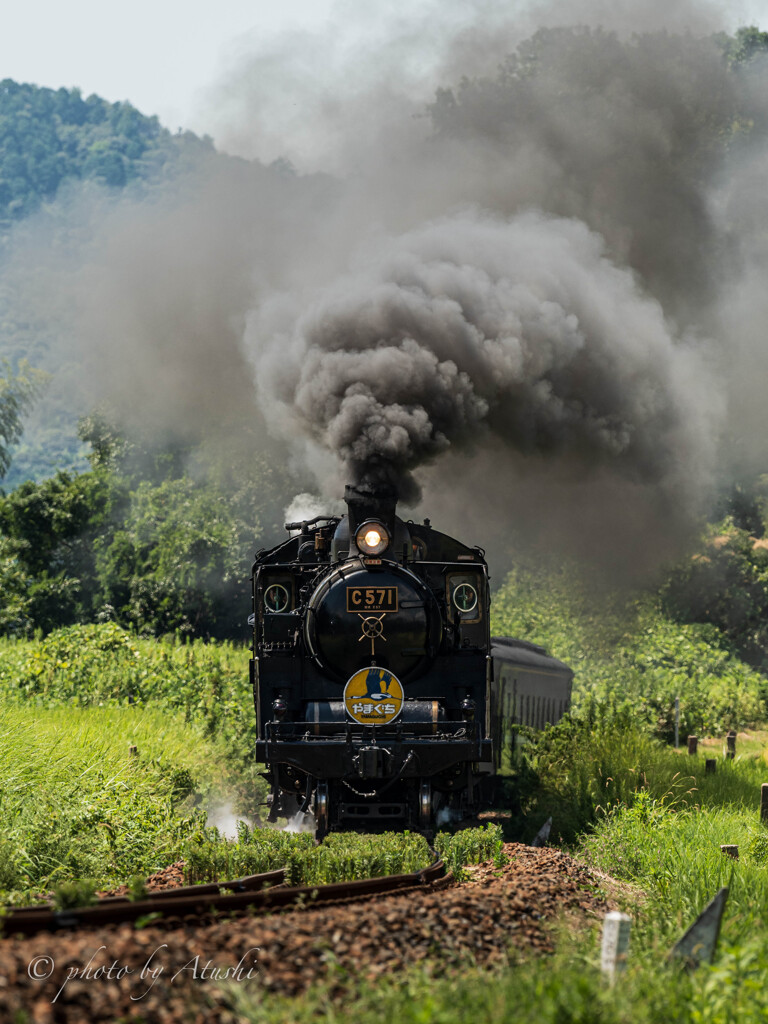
x=54, y=145
x=48, y=136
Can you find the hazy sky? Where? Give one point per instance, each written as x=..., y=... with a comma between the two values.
x=156, y=53
x=164, y=55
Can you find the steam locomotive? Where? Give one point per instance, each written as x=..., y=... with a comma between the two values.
x=381, y=700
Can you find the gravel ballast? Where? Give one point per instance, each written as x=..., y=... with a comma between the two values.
x=161, y=973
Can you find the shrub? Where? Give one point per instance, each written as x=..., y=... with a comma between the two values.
x=627, y=657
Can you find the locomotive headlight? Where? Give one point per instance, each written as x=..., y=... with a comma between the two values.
x=372, y=538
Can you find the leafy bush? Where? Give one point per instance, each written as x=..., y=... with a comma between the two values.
x=105, y=664
x=209, y=856
x=627, y=655
x=470, y=846
x=69, y=895
x=345, y=856
x=341, y=856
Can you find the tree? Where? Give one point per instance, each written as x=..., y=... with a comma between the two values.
x=745, y=46
x=47, y=549
x=174, y=563
x=725, y=585
x=17, y=393
x=155, y=536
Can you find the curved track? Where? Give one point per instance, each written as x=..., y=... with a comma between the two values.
x=496, y=914
x=254, y=893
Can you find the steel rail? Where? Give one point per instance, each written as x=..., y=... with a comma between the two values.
x=259, y=893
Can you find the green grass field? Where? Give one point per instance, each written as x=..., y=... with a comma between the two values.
x=75, y=804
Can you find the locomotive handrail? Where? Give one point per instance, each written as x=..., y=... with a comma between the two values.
x=349, y=730
x=311, y=522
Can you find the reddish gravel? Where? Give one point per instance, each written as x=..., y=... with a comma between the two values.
x=287, y=952
x=171, y=877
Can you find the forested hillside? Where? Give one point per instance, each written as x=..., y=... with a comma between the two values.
x=48, y=137
x=55, y=145
x=132, y=537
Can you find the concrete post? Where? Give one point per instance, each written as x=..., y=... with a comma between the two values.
x=616, y=928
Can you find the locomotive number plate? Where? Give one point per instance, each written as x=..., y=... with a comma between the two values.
x=371, y=599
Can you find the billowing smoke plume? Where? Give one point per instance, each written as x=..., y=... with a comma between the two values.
x=471, y=326
x=573, y=348
x=519, y=268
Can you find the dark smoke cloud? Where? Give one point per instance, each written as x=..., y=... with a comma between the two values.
x=470, y=326
x=582, y=356
x=519, y=268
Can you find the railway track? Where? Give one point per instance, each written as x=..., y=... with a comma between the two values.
x=253, y=893
x=156, y=974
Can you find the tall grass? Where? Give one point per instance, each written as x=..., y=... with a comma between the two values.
x=75, y=803
x=566, y=989
x=674, y=855
x=203, y=684
x=578, y=770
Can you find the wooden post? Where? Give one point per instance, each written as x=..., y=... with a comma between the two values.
x=710, y=765
x=133, y=751
x=693, y=744
x=730, y=851
x=730, y=741
x=764, y=803
x=616, y=927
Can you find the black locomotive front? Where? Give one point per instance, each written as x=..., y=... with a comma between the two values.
x=371, y=669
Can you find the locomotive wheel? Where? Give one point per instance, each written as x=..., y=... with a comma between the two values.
x=322, y=811
x=425, y=805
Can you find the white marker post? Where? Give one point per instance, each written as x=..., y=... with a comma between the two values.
x=616, y=927
x=677, y=722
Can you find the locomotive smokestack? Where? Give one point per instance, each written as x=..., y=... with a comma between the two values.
x=371, y=499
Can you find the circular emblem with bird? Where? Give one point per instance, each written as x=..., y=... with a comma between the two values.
x=373, y=696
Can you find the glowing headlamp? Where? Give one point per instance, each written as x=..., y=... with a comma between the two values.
x=372, y=538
